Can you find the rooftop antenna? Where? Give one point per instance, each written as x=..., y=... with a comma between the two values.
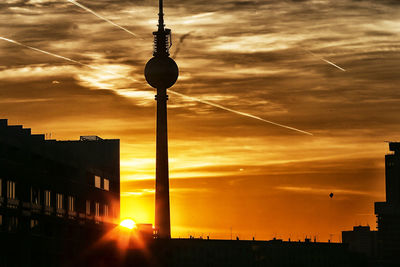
x=161, y=72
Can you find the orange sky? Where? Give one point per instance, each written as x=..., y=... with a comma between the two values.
x=227, y=171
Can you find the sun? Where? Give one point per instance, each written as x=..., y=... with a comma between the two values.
x=128, y=223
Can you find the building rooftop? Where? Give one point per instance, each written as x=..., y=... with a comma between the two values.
x=394, y=146
x=18, y=130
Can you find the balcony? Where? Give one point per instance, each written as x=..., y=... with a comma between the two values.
x=98, y=219
x=36, y=208
x=12, y=203
x=71, y=214
x=60, y=212
x=48, y=210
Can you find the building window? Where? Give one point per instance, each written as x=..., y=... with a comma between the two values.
x=97, y=209
x=12, y=223
x=87, y=207
x=59, y=199
x=114, y=212
x=97, y=181
x=10, y=189
x=47, y=198
x=106, y=210
x=106, y=184
x=35, y=193
x=71, y=203
x=34, y=223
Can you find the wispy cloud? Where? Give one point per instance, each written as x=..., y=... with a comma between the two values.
x=243, y=55
x=324, y=191
x=101, y=17
x=140, y=192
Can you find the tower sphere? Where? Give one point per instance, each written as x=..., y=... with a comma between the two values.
x=161, y=72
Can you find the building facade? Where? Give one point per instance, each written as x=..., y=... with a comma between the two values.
x=232, y=253
x=388, y=212
x=56, y=197
x=361, y=240
x=59, y=203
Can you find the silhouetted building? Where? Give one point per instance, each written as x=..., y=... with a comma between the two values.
x=56, y=197
x=219, y=253
x=59, y=205
x=361, y=240
x=388, y=212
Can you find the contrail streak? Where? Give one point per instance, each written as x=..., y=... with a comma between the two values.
x=101, y=17
x=64, y=58
x=182, y=38
x=333, y=64
x=238, y=112
x=194, y=98
x=325, y=60
x=47, y=53
x=170, y=91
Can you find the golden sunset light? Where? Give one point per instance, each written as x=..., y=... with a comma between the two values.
x=128, y=223
x=277, y=105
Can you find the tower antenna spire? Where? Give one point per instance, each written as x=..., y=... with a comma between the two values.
x=160, y=16
x=161, y=72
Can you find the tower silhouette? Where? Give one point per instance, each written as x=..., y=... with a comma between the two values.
x=161, y=72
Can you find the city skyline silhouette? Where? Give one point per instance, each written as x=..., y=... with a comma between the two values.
x=226, y=171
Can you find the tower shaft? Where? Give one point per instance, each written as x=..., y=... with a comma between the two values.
x=162, y=215
x=161, y=72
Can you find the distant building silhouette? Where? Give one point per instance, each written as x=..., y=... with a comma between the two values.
x=382, y=246
x=361, y=240
x=248, y=253
x=56, y=197
x=388, y=212
x=60, y=199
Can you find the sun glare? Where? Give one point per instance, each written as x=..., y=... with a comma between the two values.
x=128, y=223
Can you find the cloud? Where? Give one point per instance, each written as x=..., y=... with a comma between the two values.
x=246, y=55
x=323, y=191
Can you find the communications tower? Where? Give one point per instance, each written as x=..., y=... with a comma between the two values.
x=161, y=72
